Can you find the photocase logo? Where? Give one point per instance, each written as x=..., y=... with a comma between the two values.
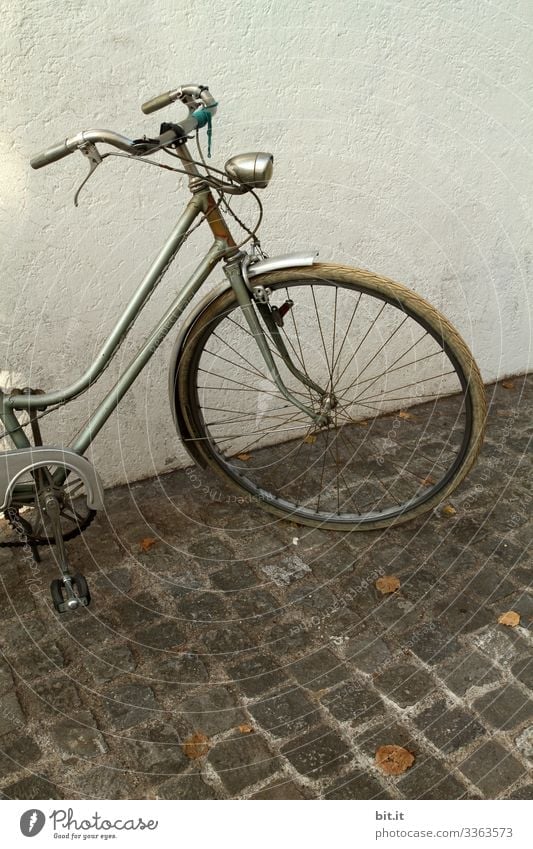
x=32, y=822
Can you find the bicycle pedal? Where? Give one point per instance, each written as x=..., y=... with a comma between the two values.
x=70, y=593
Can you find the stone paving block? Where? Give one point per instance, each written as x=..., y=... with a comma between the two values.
x=284, y=790
x=489, y=585
x=505, y=709
x=404, y=684
x=235, y=576
x=137, y=612
x=52, y=696
x=469, y=669
x=420, y=585
x=22, y=635
x=188, y=786
x=212, y=711
x=257, y=674
x=429, y=779
x=17, y=751
x=449, y=728
x=202, y=607
x=116, y=581
x=492, y=768
x=42, y=659
x=339, y=625
x=226, y=642
x=6, y=678
x=397, y=614
x=522, y=793
x=156, y=751
x=524, y=742
x=289, y=638
x=384, y=733
x=243, y=761
x=163, y=634
x=33, y=787
x=285, y=714
x=11, y=716
x=462, y=614
x=432, y=644
x=316, y=602
x=76, y=737
x=254, y=604
x=318, y=670
x=210, y=548
x=178, y=582
x=351, y=702
x=357, y=784
x=109, y=663
x=499, y=643
x=176, y=675
x=286, y=570
x=130, y=704
x=521, y=603
x=369, y=653
x=15, y=601
x=106, y=781
x=318, y=753
x=88, y=629
x=523, y=670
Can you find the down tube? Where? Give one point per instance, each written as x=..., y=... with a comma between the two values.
x=152, y=343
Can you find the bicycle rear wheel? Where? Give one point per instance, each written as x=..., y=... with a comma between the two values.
x=407, y=403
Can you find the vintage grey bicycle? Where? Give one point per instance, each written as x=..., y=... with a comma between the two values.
x=313, y=388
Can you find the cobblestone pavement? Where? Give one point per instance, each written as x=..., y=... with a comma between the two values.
x=272, y=643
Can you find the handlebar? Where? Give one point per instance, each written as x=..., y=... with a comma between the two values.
x=197, y=98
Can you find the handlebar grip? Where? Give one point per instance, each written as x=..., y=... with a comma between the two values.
x=51, y=154
x=159, y=102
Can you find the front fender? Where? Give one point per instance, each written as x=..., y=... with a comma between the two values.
x=250, y=271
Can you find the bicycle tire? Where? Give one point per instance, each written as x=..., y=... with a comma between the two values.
x=359, y=281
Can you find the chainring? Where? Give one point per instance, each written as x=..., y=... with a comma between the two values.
x=31, y=540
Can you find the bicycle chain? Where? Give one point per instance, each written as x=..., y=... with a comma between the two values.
x=36, y=541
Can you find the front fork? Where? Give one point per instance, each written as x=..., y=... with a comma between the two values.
x=233, y=271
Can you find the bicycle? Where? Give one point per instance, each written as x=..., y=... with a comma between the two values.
x=310, y=387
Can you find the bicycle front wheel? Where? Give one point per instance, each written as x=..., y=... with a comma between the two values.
x=404, y=397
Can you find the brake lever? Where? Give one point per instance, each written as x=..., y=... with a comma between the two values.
x=89, y=150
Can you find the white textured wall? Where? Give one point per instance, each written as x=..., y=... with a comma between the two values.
x=400, y=131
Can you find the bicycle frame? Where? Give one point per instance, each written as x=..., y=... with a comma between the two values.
x=201, y=203
x=224, y=247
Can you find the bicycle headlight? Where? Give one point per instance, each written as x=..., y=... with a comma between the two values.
x=251, y=169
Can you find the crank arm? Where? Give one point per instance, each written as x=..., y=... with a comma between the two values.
x=233, y=271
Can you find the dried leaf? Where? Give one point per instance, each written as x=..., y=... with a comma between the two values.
x=147, y=543
x=448, y=510
x=310, y=439
x=362, y=423
x=508, y=384
x=394, y=760
x=196, y=746
x=427, y=481
x=245, y=728
x=511, y=619
x=403, y=414
x=388, y=584
x=244, y=457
